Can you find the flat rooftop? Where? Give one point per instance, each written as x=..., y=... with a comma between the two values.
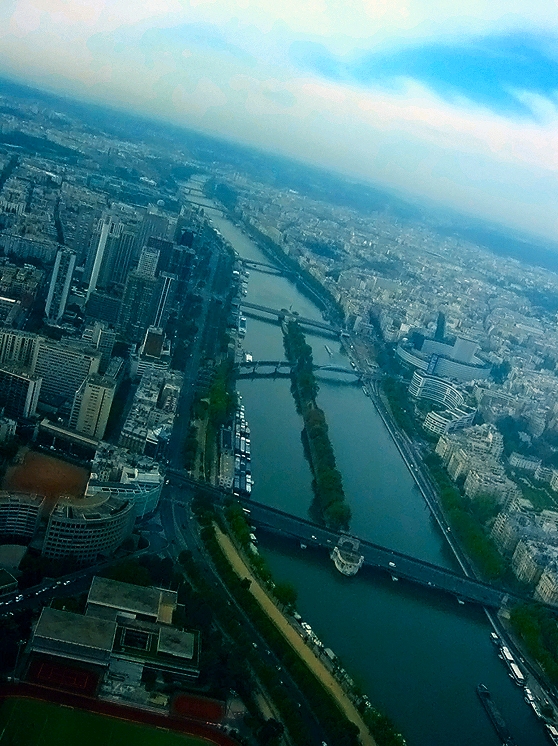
x=177, y=643
x=67, y=627
x=127, y=597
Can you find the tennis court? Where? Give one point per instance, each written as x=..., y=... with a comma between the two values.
x=28, y=722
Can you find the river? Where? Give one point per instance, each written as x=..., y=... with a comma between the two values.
x=417, y=654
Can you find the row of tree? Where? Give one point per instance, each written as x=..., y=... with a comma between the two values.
x=341, y=731
x=466, y=525
x=329, y=498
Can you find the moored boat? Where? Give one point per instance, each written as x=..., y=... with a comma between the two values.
x=494, y=714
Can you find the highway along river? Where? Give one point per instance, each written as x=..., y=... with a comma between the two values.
x=417, y=654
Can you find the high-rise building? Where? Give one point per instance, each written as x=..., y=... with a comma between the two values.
x=63, y=369
x=18, y=347
x=166, y=292
x=19, y=392
x=165, y=248
x=102, y=337
x=83, y=231
x=147, y=264
x=153, y=224
x=103, y=307
x=123, y=258
x=138, y=306
x=91, y=408
x=60, y=284
x=103, y=254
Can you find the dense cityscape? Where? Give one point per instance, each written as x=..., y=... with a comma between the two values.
x=136, y=579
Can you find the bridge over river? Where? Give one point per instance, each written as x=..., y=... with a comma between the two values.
x=286, y=365
x=396, y=564
x=283, y=313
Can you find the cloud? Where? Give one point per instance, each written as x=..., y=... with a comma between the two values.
x=493, y=70
x=450, y=100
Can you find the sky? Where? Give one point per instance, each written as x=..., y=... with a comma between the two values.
x=452, y=101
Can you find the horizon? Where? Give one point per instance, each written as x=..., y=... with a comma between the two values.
x=453, y=106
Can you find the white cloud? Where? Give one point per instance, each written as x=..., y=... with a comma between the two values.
x=410, y=139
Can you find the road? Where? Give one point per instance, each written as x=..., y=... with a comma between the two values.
x=182, y=419
x=180, y=529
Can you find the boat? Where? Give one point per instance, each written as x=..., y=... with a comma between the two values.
x=533, y=702
x=505, y=655
x=346, y=556
x=517, y=674
x=329, y=350
x=496, y=718
x=552, y=733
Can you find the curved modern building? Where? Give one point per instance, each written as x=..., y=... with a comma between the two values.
x=456, y=414
x=439, y=359
x=86, y=527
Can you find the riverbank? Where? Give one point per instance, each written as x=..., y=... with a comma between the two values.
x=294, y=639
x=385, y=634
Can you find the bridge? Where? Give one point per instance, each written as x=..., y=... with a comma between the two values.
x=283, y=314
x=268, y=269
x=395, y=564
x=211, y=208
x=282, y=364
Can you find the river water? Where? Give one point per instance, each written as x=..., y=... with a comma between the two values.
x=418, y=655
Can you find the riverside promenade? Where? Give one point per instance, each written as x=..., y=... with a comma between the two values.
x=294, y=639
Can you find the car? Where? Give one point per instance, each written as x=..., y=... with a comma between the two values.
x=392, y=564
x=66, y=582
x=19, y=598
x=314, y=537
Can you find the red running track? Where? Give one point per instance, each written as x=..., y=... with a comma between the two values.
x=115, y=710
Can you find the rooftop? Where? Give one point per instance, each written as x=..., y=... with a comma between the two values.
x=177, y=643
x=133, y=598
x=65, y=626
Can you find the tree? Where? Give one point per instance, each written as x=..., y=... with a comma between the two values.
x=286, y=594
x=270, y=732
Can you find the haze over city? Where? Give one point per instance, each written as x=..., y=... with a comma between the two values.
x=278, y=373
x=449, y=101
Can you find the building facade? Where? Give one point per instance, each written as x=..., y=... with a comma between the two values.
x=20, y=514
x=60, y=284
x=19, y=392
x=92, y=404
x=86, y=528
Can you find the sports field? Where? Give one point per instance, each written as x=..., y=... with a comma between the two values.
x=46, y=476
x=28, y=722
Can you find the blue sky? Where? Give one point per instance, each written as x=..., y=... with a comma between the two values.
x=487, y=70
x=451, y=101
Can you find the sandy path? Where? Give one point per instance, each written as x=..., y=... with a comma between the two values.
x=313, y=663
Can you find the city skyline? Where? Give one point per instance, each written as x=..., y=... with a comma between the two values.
x=453, y=103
